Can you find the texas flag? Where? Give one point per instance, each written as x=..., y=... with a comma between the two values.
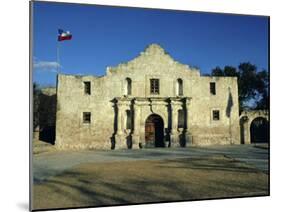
x=64, y=35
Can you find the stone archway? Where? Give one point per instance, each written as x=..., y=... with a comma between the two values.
x=247, y=118
x=259, y=130
x=154, y=131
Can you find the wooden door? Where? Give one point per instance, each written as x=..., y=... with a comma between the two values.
x=154, y=131
x=149, y=132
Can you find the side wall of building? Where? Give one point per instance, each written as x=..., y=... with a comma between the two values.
x=203, y=128
x=71, y=132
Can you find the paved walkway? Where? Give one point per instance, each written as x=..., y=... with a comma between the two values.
x=51, y=164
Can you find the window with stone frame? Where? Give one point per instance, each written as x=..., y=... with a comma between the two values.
x=216, y=115
x=154, y=86
x=86, y=117
x=213, y=88
x=87, y=87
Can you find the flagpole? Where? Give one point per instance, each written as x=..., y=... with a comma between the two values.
x=58, y=57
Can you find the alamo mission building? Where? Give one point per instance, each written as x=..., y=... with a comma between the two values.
x=150, y=101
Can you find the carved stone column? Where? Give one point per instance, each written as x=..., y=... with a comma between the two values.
x=175, y=106
x=120, y=137
x=247, y=132
x=188, y=136
x=136, y=134
x=119, y=119
x=245, y=129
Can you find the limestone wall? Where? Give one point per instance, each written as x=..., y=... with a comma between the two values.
x=71, y=132
x=204, y=129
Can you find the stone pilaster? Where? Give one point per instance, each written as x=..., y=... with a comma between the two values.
x=247, y=133
x=119, y=119
x=175, y=106
x=136, y=134
x=188, y=136
x=121, y=136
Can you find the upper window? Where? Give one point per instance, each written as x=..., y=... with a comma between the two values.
x=129, y=86
x=179, y=87
x=154, y=86
x=216, y=115
x=87, y=87
x=213, y=88
x=86, y=117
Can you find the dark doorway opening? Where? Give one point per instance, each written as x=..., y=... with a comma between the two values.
x=47, y=134
x=259, y=131
x=154, y=131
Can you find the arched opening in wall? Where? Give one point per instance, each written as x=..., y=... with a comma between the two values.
x=179, y=87
x=181, y=118
x=128, y=86
x=154, y=131
x=181, y=127
x=259, y=130
x=243, y=122
x=129, y=122
x=128, y=119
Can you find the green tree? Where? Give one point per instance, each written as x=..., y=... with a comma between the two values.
x=218, y=72
x=230, y=71
x=263, y=85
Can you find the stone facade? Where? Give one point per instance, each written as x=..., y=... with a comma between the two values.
x=112, y=111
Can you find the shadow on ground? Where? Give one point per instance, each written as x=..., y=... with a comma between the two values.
x=150, y=181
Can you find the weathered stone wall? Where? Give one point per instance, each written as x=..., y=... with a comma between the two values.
x=204, y=129
x=47, y=114
x=71, y=132
x=246, y=119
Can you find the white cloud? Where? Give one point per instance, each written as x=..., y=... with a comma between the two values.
x=49, y=66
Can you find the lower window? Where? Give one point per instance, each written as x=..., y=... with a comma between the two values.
x=216, y=115
x=86, y=117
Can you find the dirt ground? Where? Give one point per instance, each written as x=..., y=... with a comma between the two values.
x=40, y=147
x=129, y=182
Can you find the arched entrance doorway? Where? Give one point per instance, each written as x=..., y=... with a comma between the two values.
x=154, y=131
x=259, y=130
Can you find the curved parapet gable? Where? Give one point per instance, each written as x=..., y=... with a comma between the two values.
x=154, y=60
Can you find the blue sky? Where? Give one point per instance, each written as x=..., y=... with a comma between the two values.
x=107, y=36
